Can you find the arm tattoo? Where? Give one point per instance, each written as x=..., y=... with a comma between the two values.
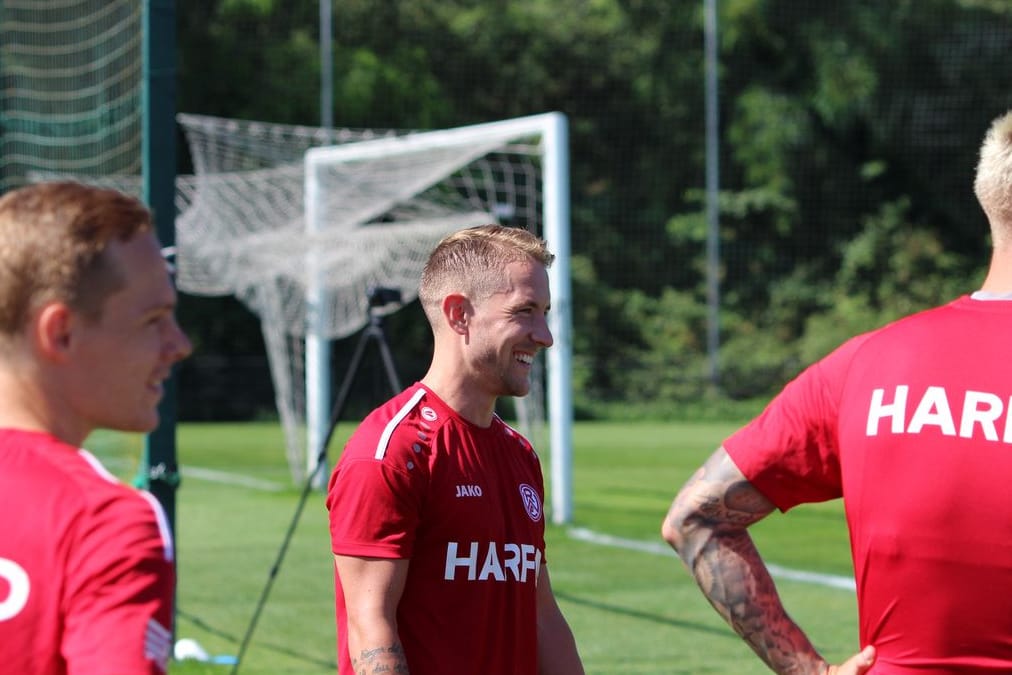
x=713, y=513
x=380, y=660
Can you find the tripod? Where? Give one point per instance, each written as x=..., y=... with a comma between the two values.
x=373, y=332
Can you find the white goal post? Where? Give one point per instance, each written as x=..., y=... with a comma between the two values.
x=550, y=133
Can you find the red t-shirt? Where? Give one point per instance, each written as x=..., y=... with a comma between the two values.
x=86, y=565
x=464, y=503
x=911, y=425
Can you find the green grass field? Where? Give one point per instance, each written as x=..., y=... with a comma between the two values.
x=632, y=606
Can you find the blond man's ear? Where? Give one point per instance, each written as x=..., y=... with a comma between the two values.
x=456, y=309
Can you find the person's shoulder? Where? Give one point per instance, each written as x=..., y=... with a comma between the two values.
x=513, y=438
x=128, y=515
x=877, y=342
x=924, y=321
x=107, y=493
x=81, y=495
x=68, y=471
x=404, y=424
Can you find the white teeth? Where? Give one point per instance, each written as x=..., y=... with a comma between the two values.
x=525, y=358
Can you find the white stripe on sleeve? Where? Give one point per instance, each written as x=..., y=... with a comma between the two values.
x=388, y=431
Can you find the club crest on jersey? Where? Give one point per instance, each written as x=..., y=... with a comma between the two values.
x=532, y=502
x=428, y=414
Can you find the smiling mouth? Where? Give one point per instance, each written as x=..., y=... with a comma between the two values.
x=526, y=359
x=157, y=385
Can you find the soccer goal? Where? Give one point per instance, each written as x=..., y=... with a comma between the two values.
x=301, y=223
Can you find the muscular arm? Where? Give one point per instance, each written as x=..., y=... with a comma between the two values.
x=372, y=589
x=707, y=525
x=557, y=653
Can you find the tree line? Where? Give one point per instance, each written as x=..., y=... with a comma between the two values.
x=848, y=140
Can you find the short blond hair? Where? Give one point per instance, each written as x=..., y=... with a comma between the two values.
x=472, y=262
x=53, y=237
x=993, y=182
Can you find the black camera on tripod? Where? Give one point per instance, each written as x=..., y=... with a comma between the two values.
x=380, y=296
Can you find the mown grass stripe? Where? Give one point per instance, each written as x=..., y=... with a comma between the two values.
x=657, y=548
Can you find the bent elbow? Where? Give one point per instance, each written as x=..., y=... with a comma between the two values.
x=673, y=530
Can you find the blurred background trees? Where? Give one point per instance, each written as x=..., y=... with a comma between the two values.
x=849, y=134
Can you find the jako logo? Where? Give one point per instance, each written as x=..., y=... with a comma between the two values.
x=532, y=503
x=468, y=491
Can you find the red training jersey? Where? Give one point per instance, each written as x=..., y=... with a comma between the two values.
x=464, y=503
x=86, y=565
x=911, y=425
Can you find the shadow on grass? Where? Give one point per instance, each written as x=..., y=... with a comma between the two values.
x=647, y=616
x=299, y=656
x=203, y=625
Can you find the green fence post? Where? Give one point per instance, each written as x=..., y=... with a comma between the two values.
x=161, y=473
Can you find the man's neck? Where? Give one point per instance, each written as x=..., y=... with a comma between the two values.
x=475, y=408
x=25, y=405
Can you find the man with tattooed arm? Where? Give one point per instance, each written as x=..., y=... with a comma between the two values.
x=909, y=424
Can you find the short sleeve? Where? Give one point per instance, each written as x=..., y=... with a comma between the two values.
x=791, y=451
x=374, y=509
x=120, y=590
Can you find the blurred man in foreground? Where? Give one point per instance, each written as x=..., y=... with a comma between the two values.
x=87, y=336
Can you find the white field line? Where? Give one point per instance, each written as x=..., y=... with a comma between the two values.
x=657, y=548
x=209, y=475
x=212, y=476
x=215, y=476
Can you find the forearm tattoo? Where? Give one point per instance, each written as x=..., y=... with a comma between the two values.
x=715, y=509
x=380, y=660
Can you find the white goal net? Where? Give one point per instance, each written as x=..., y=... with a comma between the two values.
x=71, y=95
x=301, y=223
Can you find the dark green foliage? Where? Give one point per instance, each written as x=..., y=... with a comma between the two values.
x=849, y=134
